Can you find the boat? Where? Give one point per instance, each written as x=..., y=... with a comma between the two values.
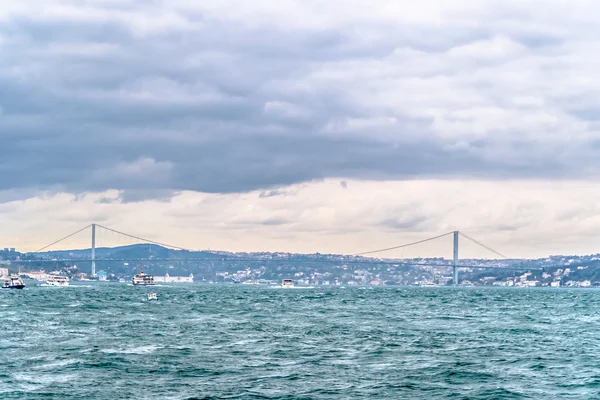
x=57, y=280
x=152, y=296
x=13, y=282
x=288, y=283
x=142, y=279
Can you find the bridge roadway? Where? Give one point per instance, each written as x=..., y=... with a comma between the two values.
x=222, y=260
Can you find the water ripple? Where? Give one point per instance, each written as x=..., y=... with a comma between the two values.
x=102, y=341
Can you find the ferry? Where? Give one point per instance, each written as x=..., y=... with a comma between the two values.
x=13, y=282
x=288, y=283
x=57, y=280
x=142, y=279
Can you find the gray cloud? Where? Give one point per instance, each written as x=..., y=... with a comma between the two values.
x=98, y=100
x=108, y=200
x=276, y=221
x=504, y=227
x=271, y=193
x=134, y=196
x=409, y=225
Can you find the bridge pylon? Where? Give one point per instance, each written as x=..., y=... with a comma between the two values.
x=455, y=259
x=93, y=249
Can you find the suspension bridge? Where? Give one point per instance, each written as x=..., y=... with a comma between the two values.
x=99, y=233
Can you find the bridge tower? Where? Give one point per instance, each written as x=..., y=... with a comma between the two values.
x=93, y=249
x=455, y=259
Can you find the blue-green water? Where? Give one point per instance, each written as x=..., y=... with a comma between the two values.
x=104, y=341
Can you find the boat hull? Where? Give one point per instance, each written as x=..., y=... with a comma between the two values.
x=57, y=284
x=14, y=287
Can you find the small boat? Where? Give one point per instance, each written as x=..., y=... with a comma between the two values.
x=152, y=296
x=13, y=282
x=288, y=283
x=57, y=280
x=142, y=279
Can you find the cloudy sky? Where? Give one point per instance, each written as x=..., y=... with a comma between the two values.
x=302, y=125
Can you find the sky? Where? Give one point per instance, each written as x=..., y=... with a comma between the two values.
x=307, y=126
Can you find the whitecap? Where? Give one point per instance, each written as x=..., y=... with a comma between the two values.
x=133, y=350
x=57, y=364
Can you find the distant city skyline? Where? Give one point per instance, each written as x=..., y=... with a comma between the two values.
x=302, y=126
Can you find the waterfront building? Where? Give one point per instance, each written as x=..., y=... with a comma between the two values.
x=174, y=279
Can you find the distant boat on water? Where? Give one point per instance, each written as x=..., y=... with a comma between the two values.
x=288, y=283
x=292, y=284
x=13, y=282
x=57, y=280
x=142, y=279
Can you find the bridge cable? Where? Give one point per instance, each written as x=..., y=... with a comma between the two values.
x=401, y=246
x=483, y=245
x=142, y=239
x=66, y=237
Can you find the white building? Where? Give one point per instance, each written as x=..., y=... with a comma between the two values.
x=174, y=279
x=3, y=271
x=37, y=275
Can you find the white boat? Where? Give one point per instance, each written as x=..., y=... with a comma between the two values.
x=142, y=279
x=13, y=282
x=288, y=283
x=57, y=280
x=152, y=296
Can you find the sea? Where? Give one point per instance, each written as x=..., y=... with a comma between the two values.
x=106, y=341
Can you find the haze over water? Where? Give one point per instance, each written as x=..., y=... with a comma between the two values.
x=104, y=341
